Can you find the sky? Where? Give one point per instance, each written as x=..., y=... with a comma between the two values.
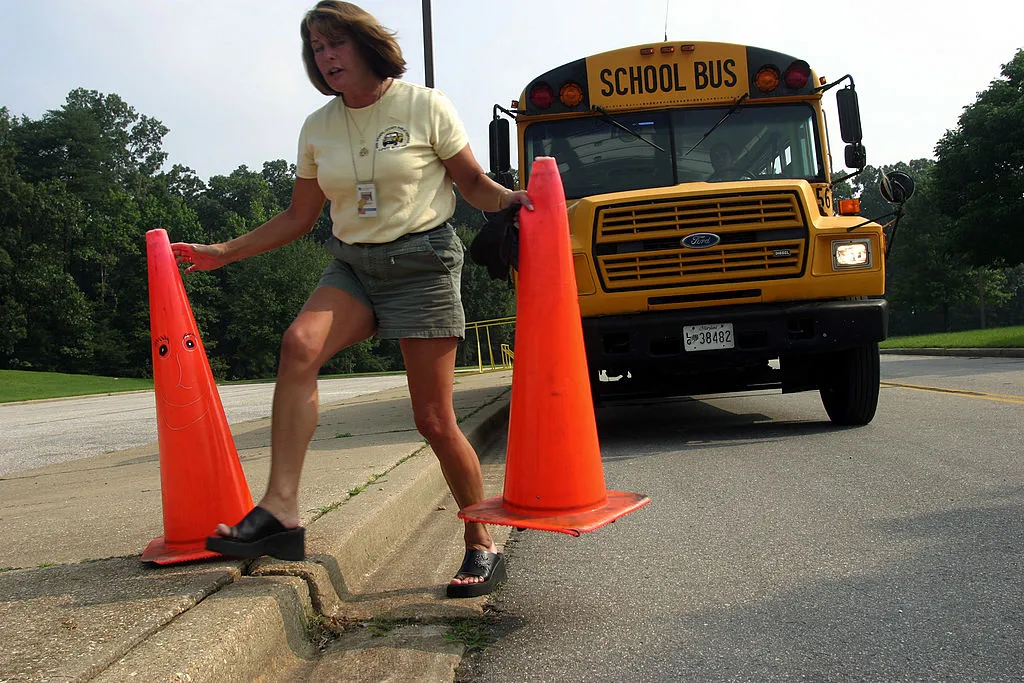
x=226, y=76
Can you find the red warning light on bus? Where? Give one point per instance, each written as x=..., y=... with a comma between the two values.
x=541, y=95
x=797, y=75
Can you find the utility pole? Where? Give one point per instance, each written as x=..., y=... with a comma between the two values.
x=428, y=45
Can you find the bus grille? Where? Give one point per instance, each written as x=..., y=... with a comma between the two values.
x=639, y=245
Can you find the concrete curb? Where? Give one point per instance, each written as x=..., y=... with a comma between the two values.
x=973, y=353
x=263, y=623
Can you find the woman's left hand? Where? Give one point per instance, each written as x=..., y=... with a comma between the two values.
x=519, y=197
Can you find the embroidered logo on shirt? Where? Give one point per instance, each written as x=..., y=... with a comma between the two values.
x=394, y=137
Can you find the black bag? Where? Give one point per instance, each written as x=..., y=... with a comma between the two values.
x=496, y=246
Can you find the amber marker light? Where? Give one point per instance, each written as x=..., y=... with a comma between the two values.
x=849, y=207
x=687, y=47
x=667, y=49
x=647, y=51
x=767, y=78
x=570, y=94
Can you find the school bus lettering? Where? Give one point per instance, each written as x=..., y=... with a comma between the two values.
x=714, y=74
x=641, y=80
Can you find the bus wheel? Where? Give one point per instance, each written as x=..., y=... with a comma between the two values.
x=848, y=383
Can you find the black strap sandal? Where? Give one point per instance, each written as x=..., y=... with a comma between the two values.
x=489, y=566
x=260, y=533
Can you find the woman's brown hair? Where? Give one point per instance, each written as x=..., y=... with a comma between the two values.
x=333, y=20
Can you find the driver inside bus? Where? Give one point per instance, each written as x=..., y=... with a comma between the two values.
x=724, y=164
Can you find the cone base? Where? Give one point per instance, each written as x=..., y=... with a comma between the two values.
x=159, y=552
x=618, y=504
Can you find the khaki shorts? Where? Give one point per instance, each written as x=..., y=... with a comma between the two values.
x=411, y=284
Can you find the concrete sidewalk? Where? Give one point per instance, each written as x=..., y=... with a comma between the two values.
x=77, y=604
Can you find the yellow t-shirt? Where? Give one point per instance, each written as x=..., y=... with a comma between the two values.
x=407, y=133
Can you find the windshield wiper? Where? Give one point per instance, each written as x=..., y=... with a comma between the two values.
x=732, y=110
x=605, y=116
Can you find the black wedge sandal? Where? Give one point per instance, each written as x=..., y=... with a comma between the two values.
x=260, y=533
x=489, y=566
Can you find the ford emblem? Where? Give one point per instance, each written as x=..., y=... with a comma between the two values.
x=700, y=240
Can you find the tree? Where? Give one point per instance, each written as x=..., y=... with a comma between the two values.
x=94, y=143
x=979, y=174
x=263, y=295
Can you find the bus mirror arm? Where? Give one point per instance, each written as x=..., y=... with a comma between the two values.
x=605, y=116
x=836, y=181
x=506, y=112
x=890, y=226
x=829, y=86
x=892, y=229
x=869, y=221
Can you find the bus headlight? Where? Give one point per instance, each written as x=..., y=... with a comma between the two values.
x=848, y=254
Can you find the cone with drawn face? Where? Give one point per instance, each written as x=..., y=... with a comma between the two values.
x=201, y=478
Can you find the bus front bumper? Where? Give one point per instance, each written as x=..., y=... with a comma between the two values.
x=760, y=331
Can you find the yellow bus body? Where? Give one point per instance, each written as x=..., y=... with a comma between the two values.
x=667, y=246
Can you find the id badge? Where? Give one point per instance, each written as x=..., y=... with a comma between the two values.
x=366, y=198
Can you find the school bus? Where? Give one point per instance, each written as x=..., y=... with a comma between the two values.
x=708, y=251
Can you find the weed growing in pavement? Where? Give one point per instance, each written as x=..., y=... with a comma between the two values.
x=372, y=480
x=343, y=435
x=470, y=633
x=381, y=627
x=327, y=508
x=44, y=565
x=318, y=630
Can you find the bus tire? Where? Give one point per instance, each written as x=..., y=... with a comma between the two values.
x=848, y=384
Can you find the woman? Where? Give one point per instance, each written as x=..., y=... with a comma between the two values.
x=385, y=153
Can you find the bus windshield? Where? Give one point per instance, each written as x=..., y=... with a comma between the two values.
x=758, y=142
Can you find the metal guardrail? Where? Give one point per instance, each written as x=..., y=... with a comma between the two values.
x=482, y=329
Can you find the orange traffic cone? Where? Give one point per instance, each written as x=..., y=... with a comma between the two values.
x=553, y=475
x=201, y=479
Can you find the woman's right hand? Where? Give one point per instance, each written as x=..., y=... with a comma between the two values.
x=199, y=256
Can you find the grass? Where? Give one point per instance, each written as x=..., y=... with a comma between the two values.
x=380, y=627
x=25, y=385
x=996, y=338
x=352, y=493
x=471, y=634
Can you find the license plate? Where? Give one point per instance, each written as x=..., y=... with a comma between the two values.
x=708, y=337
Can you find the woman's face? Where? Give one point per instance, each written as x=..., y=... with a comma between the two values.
x=340, y=63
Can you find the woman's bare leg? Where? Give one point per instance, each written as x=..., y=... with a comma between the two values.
x=430, y=367
x=331, y=320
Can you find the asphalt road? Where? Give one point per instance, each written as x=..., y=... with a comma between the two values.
x=40, y=433
x=778, y=547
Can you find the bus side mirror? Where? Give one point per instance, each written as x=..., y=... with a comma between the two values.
x=856, y=156
x=897, y=187
x=498, y=131
x=849, y=116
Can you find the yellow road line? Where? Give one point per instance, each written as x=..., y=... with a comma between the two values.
x=985, y=396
